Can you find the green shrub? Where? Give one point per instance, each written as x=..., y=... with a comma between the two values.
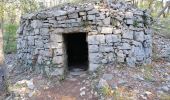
x=10, y=38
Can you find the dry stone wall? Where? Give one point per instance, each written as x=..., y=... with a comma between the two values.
x=116, y=33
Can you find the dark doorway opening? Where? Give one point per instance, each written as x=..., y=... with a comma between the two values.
x=77, y=50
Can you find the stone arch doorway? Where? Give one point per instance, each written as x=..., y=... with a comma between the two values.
x=76, y=48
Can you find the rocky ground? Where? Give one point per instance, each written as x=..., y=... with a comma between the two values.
x=113, y=82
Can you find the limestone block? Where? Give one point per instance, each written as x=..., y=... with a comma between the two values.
x=58, y=13
x=91, y=17
x=61, y=18
x=59, y=30
x=58, y=52
x=131, y=61
x=109, y=38
x=147, y=43
x=129, y=21
x=148, y=52
x=138, y=12
x=93, y=48
x=127, y=34
x=139, y=53
x=100, y=17
x=93, y=67
x=75, y=24
x=107, y=30
x=45, y=53
x=73, y=15
x=101, y=39
x=111, y=57
x=93, y=33
x=125, y=46
x=106, y=48
x=120, y=56
x=39, y=44
x=56, y=38
x=104, y=61
x=71, y=21
x=89, y=7
x=94, y=11
x=78, y=20
x=112, y=38
x=57, y=71
x=117, y=31
x=139, y=36
x=106, y=21
x=30, y=40
x=148, y=37
x=61, y=22
x=92, y=39
x=82, y=13
x=137, y=44
x=36, y=31
x=148, y=60
x=54, y=45
x=84, y=18
x=128, y=15
x=36, y=24
x=40, y=60
x=116, y=38
x=44, y=31
x=58, y=60
x=148, y=31
x=95, y=58
x=53, y=21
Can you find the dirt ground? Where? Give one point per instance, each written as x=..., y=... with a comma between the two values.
x=130, y=83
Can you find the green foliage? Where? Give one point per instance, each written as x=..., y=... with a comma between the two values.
x=28, y=6
x=62, y=78
x=135, y=23
x=10, y=38
x=106, y=91
x=162, y=26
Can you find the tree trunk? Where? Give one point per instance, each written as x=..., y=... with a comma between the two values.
x=3, y=85
x=1, y=39
x=1, y=47
x=163, y=10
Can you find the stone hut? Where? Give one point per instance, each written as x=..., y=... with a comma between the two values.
x=87, y=36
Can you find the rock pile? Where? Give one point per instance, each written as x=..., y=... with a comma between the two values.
x=116, y=33
x=161, y=47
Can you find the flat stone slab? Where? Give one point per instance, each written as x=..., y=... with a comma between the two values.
x=76, y=72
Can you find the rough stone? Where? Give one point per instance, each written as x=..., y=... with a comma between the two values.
x=58, y=60
x=117, y=31
x=93, y=48
x=91, y=17
x=57, y=71
x=102, y=83
x=92, y=39
x=110, y=37
x=107, y=76
x=100, y=39
x=107, y=21
x=95, y=57
x=93, y=67
x=74, y=15
x=128, y=34
x=36, y=24
x=107, y=30
x=139, y=36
